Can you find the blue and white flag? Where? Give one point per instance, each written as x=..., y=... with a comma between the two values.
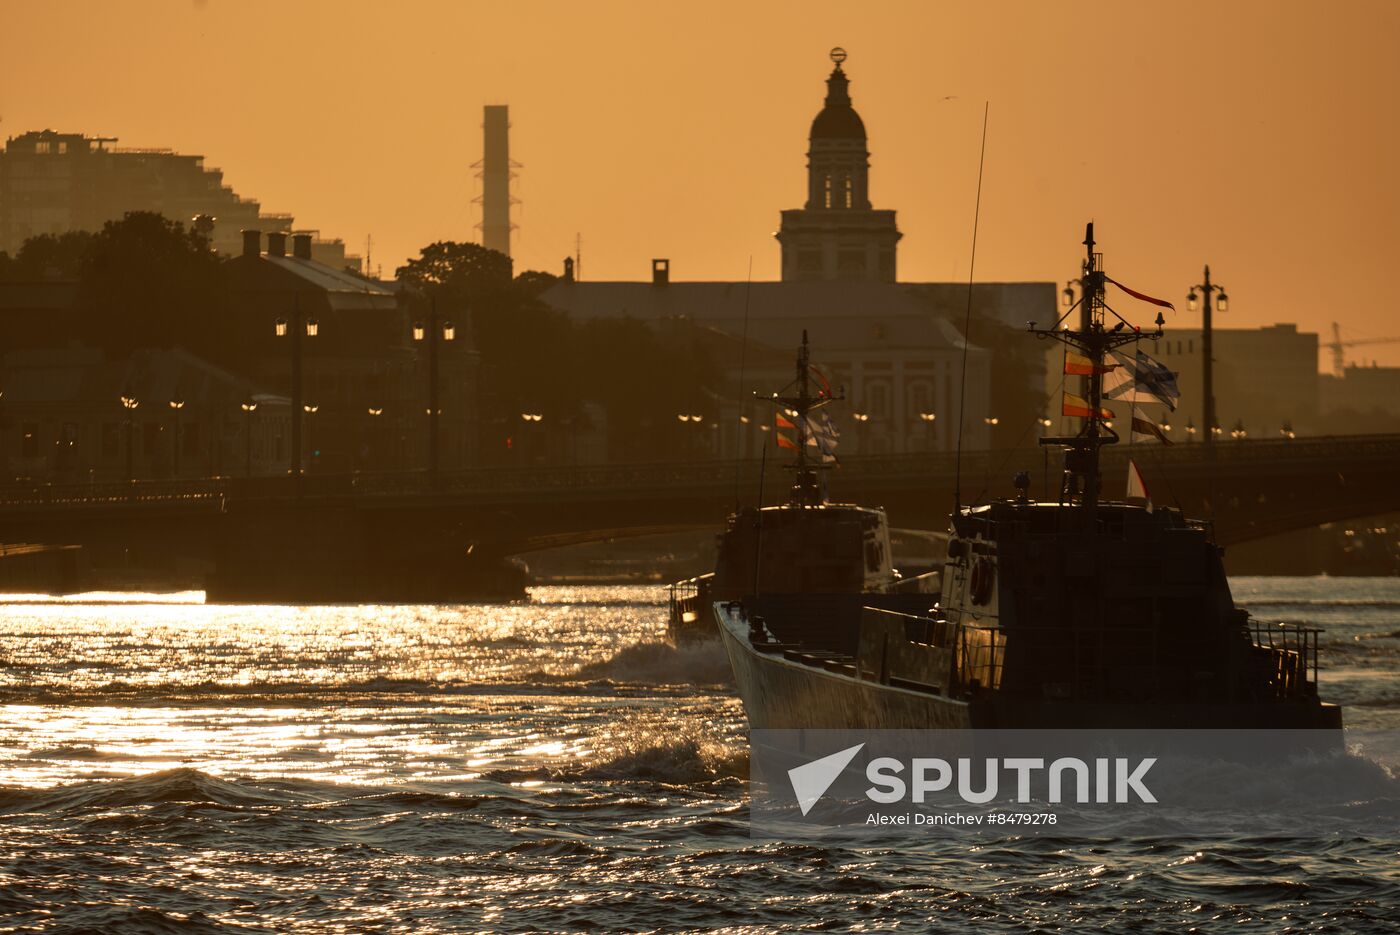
x=823, y=435
x=1141, y=380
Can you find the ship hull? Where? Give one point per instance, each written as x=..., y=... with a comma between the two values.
x=780, y=693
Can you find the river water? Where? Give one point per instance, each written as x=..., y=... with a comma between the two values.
x=167, y=766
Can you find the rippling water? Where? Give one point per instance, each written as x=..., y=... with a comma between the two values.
x=172, y=767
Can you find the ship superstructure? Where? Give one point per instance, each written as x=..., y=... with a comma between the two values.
x=1079, y=612
x=808, y=551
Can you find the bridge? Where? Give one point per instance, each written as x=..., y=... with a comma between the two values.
x=383, y=536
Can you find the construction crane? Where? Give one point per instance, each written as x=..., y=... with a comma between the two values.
x=1336, y=345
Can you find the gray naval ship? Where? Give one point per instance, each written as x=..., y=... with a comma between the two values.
x=1074, y=614
x=808, y=552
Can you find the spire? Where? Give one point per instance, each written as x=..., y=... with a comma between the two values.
x=838, y=120
x=838, y=87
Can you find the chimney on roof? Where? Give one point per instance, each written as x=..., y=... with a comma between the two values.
x=301, y=246
x=252, y=243
x=276, y=243
x=660, y=272
x=568, y=269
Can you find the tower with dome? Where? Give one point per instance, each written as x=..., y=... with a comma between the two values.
x=837, y=234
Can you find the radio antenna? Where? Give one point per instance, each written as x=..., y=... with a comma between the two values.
x=967, y=318
x=741, y=433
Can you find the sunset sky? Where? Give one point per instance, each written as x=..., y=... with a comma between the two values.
x=1259, y=137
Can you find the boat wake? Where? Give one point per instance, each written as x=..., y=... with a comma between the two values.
x=663, y=664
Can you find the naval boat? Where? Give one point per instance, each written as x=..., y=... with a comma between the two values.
x=1080, y=613
x=828, y=558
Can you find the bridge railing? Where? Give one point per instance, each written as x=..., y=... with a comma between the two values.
x=213, y=492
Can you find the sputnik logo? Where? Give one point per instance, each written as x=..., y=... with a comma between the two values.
x=811, y=780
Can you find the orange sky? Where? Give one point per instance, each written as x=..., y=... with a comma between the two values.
x=1260, y=137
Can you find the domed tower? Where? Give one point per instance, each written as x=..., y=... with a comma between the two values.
x=837, y=235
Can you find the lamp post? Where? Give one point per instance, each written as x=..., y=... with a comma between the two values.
x=249, y=408
x=432, y=333
x=1238, y=433
x=532, y=421
x=1286, y=430
x=130, y=404
x=1207, y=292
x=311, y=409
x=686, y=419
x=1190, y=431
x=295, y=329
x=374, y=413
x=175, y=406
x=928, y=418
x=862, y=419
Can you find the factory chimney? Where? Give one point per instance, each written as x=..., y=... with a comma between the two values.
x=495, y=177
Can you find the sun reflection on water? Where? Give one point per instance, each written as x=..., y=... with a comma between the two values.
x=95, y=687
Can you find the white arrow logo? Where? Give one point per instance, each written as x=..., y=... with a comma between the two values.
x=811, y=780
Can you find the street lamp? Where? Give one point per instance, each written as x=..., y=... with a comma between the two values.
x=295, y=329
x=130, y=404
x=432, y=333
x=175, y=406
x=862, y=418
x=1208, y=292
x=1238, y=433
x=1190, y=431
x=532, y=418
x=311, y=409
x=1286, y=430
x=248, y=408
x=928, y=418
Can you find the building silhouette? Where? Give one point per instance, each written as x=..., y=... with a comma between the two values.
x=52, y=183
x=896, y=348
x=837, y=234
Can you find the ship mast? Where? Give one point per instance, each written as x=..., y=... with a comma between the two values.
x=1093, y=341
x=806, y=484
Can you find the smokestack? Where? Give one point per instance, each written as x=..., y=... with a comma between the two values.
x=495, y=180
x=568, y=269
x=301, y=246
x=276, y=243
x=252, y=243
x=660, y=272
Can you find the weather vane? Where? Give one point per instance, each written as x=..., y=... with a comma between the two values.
x=838, y=55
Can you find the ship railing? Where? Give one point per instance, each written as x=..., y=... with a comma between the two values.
x=979, y=654
x=682, y=591
x=1292, y=655
x=684, y=604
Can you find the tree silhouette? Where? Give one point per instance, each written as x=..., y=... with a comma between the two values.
x=146, y=281
x=47, y=257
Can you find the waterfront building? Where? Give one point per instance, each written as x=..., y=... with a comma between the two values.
x=52, y=183
x=70, y=415
x=362, y=368
x=1362, y=399
x=837, y=234
x=895, y=347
